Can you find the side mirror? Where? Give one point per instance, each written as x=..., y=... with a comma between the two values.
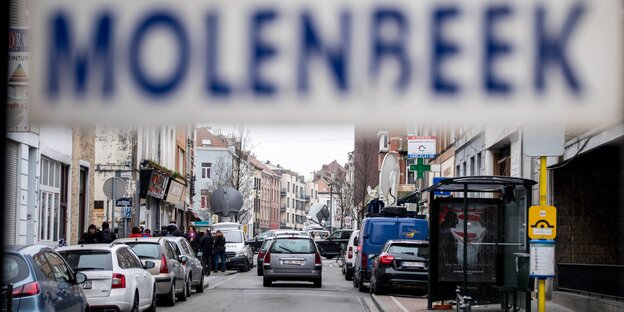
x=80, y=278
x=149, y=265
x=183, y=259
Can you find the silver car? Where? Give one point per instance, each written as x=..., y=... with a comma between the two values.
x=193, y=266
x=116, y=278
x=292, y=258
x=169, y=273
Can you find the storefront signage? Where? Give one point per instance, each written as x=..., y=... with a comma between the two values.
x=157, y=185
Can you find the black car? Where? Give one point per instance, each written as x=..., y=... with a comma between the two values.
x=332, y=246
x=401, y=264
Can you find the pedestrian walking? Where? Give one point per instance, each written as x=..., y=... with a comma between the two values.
x=106, y=236
x=206, y=247
x=219, y=251
x=90, y=237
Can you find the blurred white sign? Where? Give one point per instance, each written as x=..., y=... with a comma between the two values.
x=325, y=61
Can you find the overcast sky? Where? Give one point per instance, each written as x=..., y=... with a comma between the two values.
x=301, y=148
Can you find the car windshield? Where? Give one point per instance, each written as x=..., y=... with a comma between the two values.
x=83, y=260
x=14, y=269
x=146, y=250
x=293, y=245
x=414, y=250
x=233, y=237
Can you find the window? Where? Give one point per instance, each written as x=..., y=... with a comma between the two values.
x=60, y=270
x=186, y=249
x=43, y=265
x=472, y=166
x=181, y=159
x=205, y=198
x=51, y=214
x=206, y=170
x=122, y=260
x=478, y=164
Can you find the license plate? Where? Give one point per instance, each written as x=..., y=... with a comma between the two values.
x=86, y=285
x=413, y=264
x=295, y=262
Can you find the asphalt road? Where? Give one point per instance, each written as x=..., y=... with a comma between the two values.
x=234, y=291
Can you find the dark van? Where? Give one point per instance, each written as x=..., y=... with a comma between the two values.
x=377, y=229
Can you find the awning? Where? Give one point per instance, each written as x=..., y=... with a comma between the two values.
x=479, y=184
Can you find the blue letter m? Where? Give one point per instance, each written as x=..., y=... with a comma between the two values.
x=67, y=63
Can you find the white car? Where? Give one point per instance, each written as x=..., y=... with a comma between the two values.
x=238, y=253
x=116, y=278
x=349, y=257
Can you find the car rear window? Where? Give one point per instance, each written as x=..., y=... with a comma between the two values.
x=265, y=244
x=415, y=250
x=293, y=245
x=83, y=260
x=146, y=250
x=14, y=269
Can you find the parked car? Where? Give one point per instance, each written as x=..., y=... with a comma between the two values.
x=350, y=254
x=318, y=234
x=169, y=273
x=116, y=278
x=292, y=258
x=238, y=254
x=401, y=264
x=332, y=246
x=376, y=230
x=42, y=280
x=263, y=249
x=193, y=265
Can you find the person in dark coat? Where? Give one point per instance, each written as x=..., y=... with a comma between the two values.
x=219, y=251
x=205, y=246
x=90, y=237
x=105, y=236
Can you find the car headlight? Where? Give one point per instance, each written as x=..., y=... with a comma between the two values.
x=241, y=253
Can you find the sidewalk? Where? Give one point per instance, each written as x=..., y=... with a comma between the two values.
x=412, y=304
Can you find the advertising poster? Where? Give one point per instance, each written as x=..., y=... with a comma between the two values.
x=482, y=232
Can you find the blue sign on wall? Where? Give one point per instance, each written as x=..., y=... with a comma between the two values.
x=440, y=193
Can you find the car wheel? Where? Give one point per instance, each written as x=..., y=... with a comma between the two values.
x=152, y=307
x=200, y=288
x=259, y=270
x=135, y=304
x=355, y=283
x=343, y=268
x=375, y=288
x=184, y=294
x=189, y=286
x=170, y=297
x=318, y=283
x=266, y=282
x=348, y=274
x=360, y=284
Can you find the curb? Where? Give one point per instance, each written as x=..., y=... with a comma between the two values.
x=380, y=306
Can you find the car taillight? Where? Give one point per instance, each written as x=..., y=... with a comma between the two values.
x=164, y=268
x=29, y=289
x=364, y=260
x=386, y=259
x=317, y=259
x=267, y=258
x=119, y=281
x=350, y=253
x=261, y=255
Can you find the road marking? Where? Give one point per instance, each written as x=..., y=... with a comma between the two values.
x=213, y=286
x=399, y=304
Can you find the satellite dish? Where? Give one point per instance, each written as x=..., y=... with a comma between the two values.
x=226, y=201
x=389, y=179
x=318, y=212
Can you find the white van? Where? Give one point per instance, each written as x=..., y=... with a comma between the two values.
x=348, y=264
x=238, y=254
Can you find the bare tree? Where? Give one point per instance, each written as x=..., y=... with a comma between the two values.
x=234, y=169
x=345, y=200
x=365, y=172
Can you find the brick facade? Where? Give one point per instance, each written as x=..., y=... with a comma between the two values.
x=83, y=150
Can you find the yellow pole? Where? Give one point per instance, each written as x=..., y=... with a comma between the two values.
x=541, y=284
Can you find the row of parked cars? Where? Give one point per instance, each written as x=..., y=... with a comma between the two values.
x=130, y=274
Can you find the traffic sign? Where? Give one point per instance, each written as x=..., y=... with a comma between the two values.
x=124, y=201
x=421, y=146
x=542, y=222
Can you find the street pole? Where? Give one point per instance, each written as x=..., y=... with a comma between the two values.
x=331, y=205
x=541, y=282
x=114, y=204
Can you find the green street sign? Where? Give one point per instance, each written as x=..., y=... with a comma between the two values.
x=420, y=168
